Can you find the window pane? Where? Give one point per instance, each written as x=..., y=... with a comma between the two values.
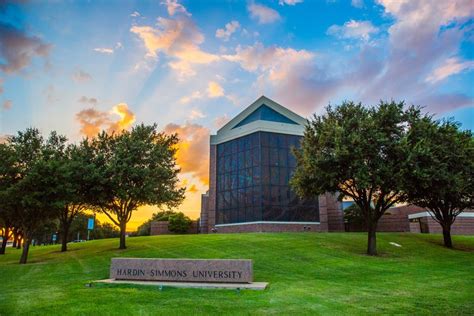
x=274, y=176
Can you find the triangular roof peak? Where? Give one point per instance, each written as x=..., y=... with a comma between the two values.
x=286, y=116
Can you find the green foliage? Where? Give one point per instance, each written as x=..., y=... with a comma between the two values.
x=179, y=223
x=100, y=231
x=440, y=175
x=354, y=216
x=136, y=168
x=358, y=152
x=144, y=229
x=34, y=193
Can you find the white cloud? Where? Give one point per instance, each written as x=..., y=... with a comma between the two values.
x=104, y=50
x=263, y=14
x=135, y=14
x=196, y=114
x=178, y=38
x=353, y=30
x=229, y=29
x=174, y=7
x=450, y=67
x=357, y=3
x=194, y=96
x=289, y=2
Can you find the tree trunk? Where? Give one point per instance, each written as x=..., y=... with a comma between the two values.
x=4, y=241
x=18, y=243
x=447, y=236
x=15, y=239
x=123, y=227
x=26, y=247
x=65, y=233
x=372, y=239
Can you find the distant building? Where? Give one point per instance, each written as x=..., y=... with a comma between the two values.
x=251, y=163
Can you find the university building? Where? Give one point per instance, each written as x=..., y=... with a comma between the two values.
x=251, y=163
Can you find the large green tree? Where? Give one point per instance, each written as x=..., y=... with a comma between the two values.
x=78, y=183
x=358, y=152
x=35, y=196
x=8, y=174
x=136, y=168
x=440, y=175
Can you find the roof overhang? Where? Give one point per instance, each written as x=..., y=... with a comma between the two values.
x=230, y=131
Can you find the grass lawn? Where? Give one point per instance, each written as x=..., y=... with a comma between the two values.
x=325, y=273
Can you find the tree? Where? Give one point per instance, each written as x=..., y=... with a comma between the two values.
x=34, y=196
x=78, y=183
x=7, y=179
x=144, y=229
x=440, y=175
x=179, y=223
x=136, y=168
x=358, y=152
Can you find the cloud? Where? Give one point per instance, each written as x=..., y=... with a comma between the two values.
x=17, y=49
x=174, y=7
x=81, y=76
x=104, y=50
x=357, y=3
x=127, y=118
x=289, y=2
x=221, y=120
x=135, y=14
x=93, y=121
x=450, y=67
x=439, y=103
x=352, y=29
x=194, y=96
x=50, y=93
x=214, y=90
x=263, y=14
x=285, y=70
x=1, y=86
x=177, y=38
x=193, y=189
x=425, y=34
x=226, y=32
x=86, y=100
x=196, y=114
x=7, y=104
x=193, y=149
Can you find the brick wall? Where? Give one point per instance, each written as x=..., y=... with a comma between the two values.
x=269, y=227
x=462, y=226
x=335, y=214
x=204, y=228
x=161, y=228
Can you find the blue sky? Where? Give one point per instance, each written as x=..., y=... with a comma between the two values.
x=78, y=67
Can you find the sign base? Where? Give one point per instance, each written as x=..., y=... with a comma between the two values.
x=260, y=286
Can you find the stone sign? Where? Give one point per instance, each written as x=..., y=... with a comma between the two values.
x=182, y=270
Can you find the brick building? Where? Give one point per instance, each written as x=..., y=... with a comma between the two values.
x=250, y=166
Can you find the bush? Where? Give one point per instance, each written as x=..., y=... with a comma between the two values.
x=179, y=223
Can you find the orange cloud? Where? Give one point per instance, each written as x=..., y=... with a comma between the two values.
x=93, y=121
x=178, y=38
x=193, y=149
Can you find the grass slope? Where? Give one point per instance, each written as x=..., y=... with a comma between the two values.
x=308, y=274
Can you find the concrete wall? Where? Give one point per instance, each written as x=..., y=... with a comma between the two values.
x=161, y=228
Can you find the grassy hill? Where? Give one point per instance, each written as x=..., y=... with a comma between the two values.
x=308, y=274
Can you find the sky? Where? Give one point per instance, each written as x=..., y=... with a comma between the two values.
x=79, y=67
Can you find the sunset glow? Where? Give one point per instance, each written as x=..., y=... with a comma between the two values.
x=80, y=68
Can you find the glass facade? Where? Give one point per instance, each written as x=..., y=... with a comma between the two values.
x=253, y=175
